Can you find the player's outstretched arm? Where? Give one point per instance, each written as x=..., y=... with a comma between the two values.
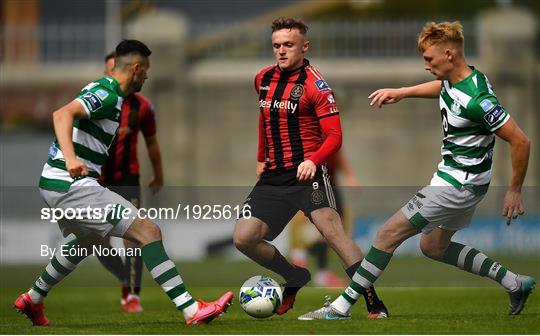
x=63, y=128
x=390, y=96
x=519, y=150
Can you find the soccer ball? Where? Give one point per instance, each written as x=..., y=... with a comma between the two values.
x=260, y=296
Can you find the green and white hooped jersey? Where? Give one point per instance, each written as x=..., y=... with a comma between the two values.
x=470, y=115
x=92, y=137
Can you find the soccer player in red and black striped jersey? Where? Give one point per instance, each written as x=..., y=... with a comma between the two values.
x=120, y=173
x=299, y=129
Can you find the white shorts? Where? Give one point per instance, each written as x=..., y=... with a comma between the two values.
x=104, y=217
x=441, y=205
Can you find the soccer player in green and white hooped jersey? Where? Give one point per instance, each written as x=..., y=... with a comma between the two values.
x=471, y=117
x=84, y=131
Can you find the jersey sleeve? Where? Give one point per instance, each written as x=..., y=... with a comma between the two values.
x=99, y=102
x=487, y=111
x=324, y=102
x=148, y=120
x=331, y=128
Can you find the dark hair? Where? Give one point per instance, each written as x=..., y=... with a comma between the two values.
x=110, y=55
x=289, y=23
x=127, y=47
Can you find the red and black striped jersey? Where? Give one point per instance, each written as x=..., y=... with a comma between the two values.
x=122, y=164
x=299, y=118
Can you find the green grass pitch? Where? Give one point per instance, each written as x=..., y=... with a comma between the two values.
x=424, y=297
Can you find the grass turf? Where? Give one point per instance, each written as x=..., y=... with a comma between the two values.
x=452, y=303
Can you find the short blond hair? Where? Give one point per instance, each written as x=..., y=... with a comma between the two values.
x=441, y=33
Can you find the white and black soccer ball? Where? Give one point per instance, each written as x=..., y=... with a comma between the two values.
x=260, y=296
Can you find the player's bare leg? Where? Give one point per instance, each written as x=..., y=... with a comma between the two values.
x=249, y=239
x=31, y=303
x=396, y=230
x=437, y=245
x=132, y=270
x=329, y=224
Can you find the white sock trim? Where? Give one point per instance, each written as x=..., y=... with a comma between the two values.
x=41, y=284
x=462, y=255
x=509, y=281
x=361, y=280
x=170, y=284
x=341, y=305
x=64, y=262
x=371, y=268
x=477, y=262
x=181, y=299
x=35, y=296
x=352, y=293
x=53, y=272
x=493, y=269
x=161, y=268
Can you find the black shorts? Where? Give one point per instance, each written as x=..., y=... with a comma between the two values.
x=278, y=196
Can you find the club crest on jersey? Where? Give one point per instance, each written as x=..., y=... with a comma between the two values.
x=486, y=105
x=456, y=107
x=53, y=150
x=297, y=91
x=322, y=85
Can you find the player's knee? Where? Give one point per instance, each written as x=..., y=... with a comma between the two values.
x=431, y=249
x=150, y=232
x=387, y=238
x=384, y=234
x=326, y=216
x=328, y=222
x=241, y=240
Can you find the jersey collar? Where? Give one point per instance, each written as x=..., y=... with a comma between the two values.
x=116, y=86
x=305, y=64
x=465, y=80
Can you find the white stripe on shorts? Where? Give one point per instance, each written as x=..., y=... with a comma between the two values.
x=328, y=188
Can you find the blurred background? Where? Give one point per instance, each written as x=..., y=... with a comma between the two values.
x=205, y=56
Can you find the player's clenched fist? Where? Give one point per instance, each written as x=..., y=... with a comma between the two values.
x=76, y=168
